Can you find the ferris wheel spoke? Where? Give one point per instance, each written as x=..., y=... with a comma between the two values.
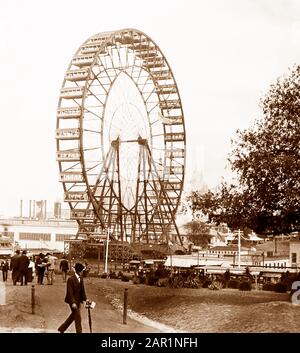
x=96, y=97
x=105, y=72
x=117, y=49
x=155, y=106
x=112, y=61
x=148, y=81
x=157, y=135
x=71, y=167
x=155, y=122
x=100, y=83
x=89, y=169
x=93, y=131
x=151, y=93
x=92, y=149
x=96, y=115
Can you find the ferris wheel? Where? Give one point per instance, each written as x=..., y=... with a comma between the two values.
x=121, y=139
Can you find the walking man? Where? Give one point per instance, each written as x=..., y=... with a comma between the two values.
x=4, y=268
x=50, y=268
x=15, y=267
x=74, y=296
x=64, y=267
x=23, y=263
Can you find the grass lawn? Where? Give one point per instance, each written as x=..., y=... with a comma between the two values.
x=205, y=310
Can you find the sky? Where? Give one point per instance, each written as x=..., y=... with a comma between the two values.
x=224, y=56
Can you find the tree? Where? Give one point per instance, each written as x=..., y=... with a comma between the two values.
x=226, y=205
x=198, y=233
x=266, y=160
x=205, y=203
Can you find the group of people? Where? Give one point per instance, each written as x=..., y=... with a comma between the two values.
x=44, y=267
x=22, y=268
x=25, y=268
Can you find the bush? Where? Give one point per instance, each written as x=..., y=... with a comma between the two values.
x=245, y=285
x=268, y=286
x=281, y=287
x=163, y=282
x=162, y=273
x=125, y=277
x=142, y=279
x=151, y=280
x=206, y=283
x=120, y=274
x=215, y=285
x=233, y=283
x=136, y=280
x=113, y=275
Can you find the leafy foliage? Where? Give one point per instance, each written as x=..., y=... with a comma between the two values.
x=266, y=159
x=198, y=233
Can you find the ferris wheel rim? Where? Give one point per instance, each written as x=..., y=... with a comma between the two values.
x=108, y=37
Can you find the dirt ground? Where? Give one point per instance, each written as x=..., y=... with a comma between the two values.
x=51, y=310
x=150, y=309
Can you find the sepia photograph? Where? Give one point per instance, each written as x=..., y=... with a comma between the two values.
x=150, y=169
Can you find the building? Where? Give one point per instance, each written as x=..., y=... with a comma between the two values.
x=31, y=234
x=294, y=253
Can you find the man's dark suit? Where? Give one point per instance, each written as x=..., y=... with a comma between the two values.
x=23, y=266
x=75, y=295
x=15, y=268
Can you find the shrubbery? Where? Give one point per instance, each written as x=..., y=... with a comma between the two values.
x=206, y=283
x=233, y=283
x=281, y=287
x=268, y=286
x=216, y=285
x=136, y=280
x=151, y=279
x=245, y=286
x=125, y=277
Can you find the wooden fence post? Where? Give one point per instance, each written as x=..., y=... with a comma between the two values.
x=125, y=306
x=33, y=299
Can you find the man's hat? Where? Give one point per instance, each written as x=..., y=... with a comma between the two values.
x=78, y=267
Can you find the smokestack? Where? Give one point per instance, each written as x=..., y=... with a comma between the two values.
x=29, y=208
x=45, y=210
x=21, y=208
x=57, y=210
x=33, y=213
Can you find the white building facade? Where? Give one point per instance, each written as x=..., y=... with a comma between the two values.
x=38, y=234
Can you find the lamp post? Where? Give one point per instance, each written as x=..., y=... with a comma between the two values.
x=106, y=252
x=239, y=249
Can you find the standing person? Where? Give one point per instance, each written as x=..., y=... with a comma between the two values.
x=31, y=270
x=74, y=296
x=24, y=263
x=86, y=270
x=15, y=267
x=5, y=268
x=40, y=266
x=50, y=268
x=64, y=267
